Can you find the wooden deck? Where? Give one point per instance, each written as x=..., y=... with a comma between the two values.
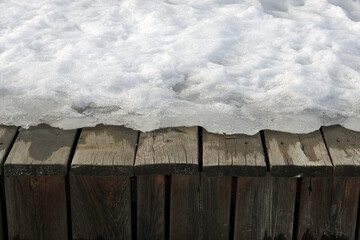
x=110, y=182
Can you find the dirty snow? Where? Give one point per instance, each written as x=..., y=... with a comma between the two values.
x=234, y=66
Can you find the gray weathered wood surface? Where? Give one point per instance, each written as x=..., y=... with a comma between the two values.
x=40, y=150
x=7, y=135
x=105, y=151
x=297, y=155
x=233, y=155
x=328, y=208
x=344, y=149
x=168, y=151
x=264, y=208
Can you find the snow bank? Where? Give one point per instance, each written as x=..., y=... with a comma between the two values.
x=234, y=66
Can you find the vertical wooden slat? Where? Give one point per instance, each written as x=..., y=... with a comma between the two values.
x=35, y=183
x=163, y=151
x=100, y=186
x=100, y=207
x=7, y=135
x=328, y=208
x=151, y=207
x=200, y=207
x=185, y=217
x=265, y=208
x=36, y=207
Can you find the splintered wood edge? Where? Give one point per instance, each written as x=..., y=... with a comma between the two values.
x=168, y=168
x=343, y=143
x=231, y=169
x=94, y=169
x=287, y=170
x=6, y=140
x=17, y=168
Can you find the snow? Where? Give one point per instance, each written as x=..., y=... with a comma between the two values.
x=234, y=66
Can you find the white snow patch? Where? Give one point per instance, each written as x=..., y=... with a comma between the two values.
x=234, y=66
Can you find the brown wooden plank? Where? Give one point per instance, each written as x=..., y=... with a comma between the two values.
x=215, y=202
x=35, y=183
x=7, y=135
x=40, y=150
x=151, y=207
x=36, y=207
x=233, y=155
x=168, y=151
x=100, y=207
x=105, y=151
x=344, y=149
x=264, y=208
x=200, y=207
x=297, y=155
x=328, y=208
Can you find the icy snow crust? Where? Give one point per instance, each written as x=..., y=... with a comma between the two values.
x=229, y=66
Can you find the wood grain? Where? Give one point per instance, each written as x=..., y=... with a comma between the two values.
x=7, y=135
x=264, y=208
x=233, y=155
x=344, y=149
x=200, y=207
x=105, y=151
x=168, y=151
x=40, y=150
x=100, y=207
x=328, y=208
x=151, y=207
x=297, y=155
x=36, y=207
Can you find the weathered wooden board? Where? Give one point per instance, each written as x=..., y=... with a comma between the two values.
x=344, y=149
x=200, y=207
x=36, y=207
x=233, y=155
x=328, y=208
x=35, y=183
x=264, y=208
x=151, y=207
x=168, y=151
x=39, y=151
x=100, y=207
x=297, y=155
x=100, y=185
x=105, y=151
x=7, y=135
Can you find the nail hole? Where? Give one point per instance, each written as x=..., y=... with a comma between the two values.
x=246, y=142
x=337, y=140
x=281, y=143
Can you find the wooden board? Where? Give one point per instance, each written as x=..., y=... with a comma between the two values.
x=105, y=151
x=168, y=151
x=344, y=149
x=36, y=207
x=264, y=208
x=297, y=155
x=200, y=207
x=151, y=207
x=40, y=150
x=233, y=155
x=328, y=208
x=7, y=135
x=100, y=207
